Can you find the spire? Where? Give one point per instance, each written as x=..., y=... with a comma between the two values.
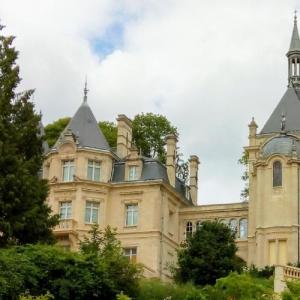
x=85, y=91
x=295, y=41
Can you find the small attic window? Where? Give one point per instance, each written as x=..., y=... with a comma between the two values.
x=277, y=173
x=133, y=173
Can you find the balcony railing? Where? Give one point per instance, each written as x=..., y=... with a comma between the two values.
x=65, y=226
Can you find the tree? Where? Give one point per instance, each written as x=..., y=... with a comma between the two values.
x=244, y=161
x=149, y=132
x=24, y=214
x=53, y=130
x=110, y=131
x=206, y=255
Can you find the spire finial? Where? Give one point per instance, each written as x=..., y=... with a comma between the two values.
x=295, y=16
x=85, y=91
x=283, y=122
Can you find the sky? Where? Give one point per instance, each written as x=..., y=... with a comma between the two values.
x=209, y=66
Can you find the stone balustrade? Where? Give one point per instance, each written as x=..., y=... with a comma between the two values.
x=283, y=274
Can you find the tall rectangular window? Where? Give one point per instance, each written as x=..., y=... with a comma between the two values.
x=93, y=172
x=68, y=170
x=132, y=173
x=130, y=253
x=91, y=212
x=131, y=214
x=65, y=210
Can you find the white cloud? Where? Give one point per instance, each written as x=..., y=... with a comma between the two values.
x=209, y=66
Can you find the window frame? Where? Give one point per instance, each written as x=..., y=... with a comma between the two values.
x=67, y=216
x=93, y=164
x=134, y=176
x=92, y=208
x=245, y=230
x=277, y=174
x=131, y=214
x=188, y=229
x=68, y=164
x=132, y=256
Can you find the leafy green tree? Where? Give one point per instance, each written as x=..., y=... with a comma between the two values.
x=24, y=214
x=53, y=130
x=40, y=269
x=110, y=131
x=149, y=131
x=244, y=161
x=206, y=255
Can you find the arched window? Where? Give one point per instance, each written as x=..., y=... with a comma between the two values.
x=277, y=173
x=188, y=229
x=243, y=228
x=233, y=225
x=198, y=225
x=224, y=221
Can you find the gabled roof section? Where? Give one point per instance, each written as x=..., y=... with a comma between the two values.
x=85, y=128
x=289, y=106
x=295, y=41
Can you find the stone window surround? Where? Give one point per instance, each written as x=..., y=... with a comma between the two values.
x=100, y=167
x=93, y=201
x=127, y=203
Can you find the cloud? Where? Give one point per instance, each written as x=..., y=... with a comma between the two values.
x=209, y=66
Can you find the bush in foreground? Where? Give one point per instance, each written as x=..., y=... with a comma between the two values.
x=38, y=269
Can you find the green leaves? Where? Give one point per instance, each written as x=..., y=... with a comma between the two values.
x=24, y=214
x=207, y=255
x=149, y=132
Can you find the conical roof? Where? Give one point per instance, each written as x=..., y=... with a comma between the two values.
x=85, y=129
x=295, y=41
x=289, y=106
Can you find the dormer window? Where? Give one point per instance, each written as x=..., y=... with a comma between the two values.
x=277, y=174
x=132, y=173
x=93, y=171
x=68, y=170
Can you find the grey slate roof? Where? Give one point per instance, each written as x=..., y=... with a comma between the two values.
x=295, y=42
x=282, y=144
x=289, y=105
x=152, y=170
x=85, y=127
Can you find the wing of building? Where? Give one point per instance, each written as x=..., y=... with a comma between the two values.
x=154, y=211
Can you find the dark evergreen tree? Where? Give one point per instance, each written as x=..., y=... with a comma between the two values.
x=24, y=214
x=207, y=255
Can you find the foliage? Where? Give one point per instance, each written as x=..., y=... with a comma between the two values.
x=293, y=291
x=38, y=269
x=206, y=255
x=121, y=296
x=182, y=168
x=265, y=272
x=103, y=246
x=244, y=160
x=110, y=131
x=47, y=296
x=149, y=132
x=24, y=214
x=53, y=130
x=240, y=287
x=153, y=289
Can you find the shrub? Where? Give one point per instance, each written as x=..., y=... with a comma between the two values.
x=153, y=289
x=293, y=291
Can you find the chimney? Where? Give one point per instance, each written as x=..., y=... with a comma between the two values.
x=124, y=125
x=171, y=141
x=194, y=163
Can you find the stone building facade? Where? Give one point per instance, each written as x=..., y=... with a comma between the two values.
x=154, y=211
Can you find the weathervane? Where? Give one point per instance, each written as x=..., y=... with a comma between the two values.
x=295, y=16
